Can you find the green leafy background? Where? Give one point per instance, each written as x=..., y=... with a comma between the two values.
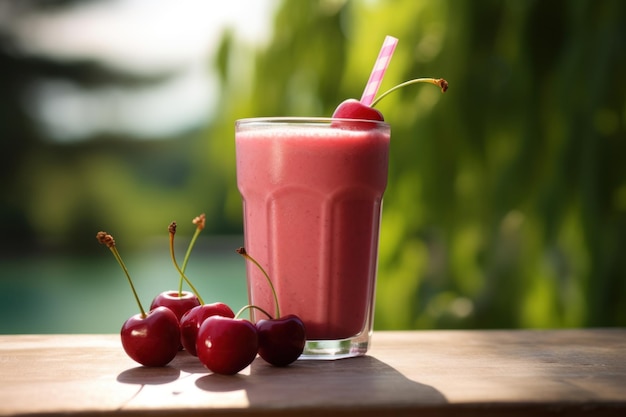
x=506, y=203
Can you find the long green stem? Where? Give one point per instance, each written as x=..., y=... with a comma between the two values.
x=250, y=307
x=130, y=281
x=107, y=240
x=186, y=260
x=440, y=82
x=172, y=230
x=242, y=252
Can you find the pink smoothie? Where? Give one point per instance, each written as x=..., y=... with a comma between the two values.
x=312, y=202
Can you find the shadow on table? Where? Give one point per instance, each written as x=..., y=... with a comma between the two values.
x=359, y=382
x=159, y=375
x=142, y=375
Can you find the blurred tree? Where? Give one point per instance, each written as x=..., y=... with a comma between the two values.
x=57, y=191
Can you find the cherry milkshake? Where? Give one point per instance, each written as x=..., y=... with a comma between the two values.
x=312, y=191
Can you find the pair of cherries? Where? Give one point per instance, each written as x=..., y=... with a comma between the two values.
x=226, y=345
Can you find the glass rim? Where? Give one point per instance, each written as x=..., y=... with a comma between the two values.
x=322, y=121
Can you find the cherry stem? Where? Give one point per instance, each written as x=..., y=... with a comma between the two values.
x=199, y=222
x=107, y=239
x=250, y=307
x=439, y=82
x=172, y=230
x=242, y=252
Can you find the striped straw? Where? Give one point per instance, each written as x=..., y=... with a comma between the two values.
x=376, y=77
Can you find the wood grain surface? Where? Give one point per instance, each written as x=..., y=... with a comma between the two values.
x=426, y=373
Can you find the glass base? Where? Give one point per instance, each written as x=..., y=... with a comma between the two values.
x=335, y=349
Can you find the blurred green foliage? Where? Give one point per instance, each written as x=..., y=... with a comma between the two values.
x=506, y=203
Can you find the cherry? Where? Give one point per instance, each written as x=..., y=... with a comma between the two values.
x=150, y=339
x=226, y=345
x=172, y=232
x=181, y=301
x=354, y=109
x=281, y=339
x=192, y=320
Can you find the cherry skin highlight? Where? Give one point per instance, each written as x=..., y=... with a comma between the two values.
x=153, y=339
x=192, y=320
x=225, y=345
x=281, y=340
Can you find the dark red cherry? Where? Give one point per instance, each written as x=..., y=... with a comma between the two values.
x=225, y=345
x=178, y=303
x=353, y=109
x=152, y=340
x=281, y=341
x=192, y=319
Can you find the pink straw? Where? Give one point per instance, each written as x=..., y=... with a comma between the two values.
x=376, y=77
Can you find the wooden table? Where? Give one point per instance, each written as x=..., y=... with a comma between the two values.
x=425, y=373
